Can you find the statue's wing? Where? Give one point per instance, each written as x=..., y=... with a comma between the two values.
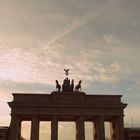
x=66, y=70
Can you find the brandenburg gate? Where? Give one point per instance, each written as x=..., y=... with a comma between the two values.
x=67, y=105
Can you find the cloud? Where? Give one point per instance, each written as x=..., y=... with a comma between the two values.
x=25, y=66
x=93, y=67
x=40, y=65
x=111, y=39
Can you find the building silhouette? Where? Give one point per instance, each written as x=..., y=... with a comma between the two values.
x=68, y=105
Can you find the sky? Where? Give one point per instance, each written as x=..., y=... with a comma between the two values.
x=98, y=40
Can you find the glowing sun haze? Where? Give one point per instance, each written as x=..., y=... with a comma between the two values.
x=97, y=40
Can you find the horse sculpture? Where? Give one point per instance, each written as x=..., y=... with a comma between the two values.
x=78, y=87
x=58, y=86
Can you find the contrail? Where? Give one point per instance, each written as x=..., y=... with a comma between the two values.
x=78, y=23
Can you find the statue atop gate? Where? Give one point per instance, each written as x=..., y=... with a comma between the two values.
x=68, y=86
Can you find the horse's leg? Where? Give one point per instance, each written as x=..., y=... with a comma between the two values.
x=58, y=88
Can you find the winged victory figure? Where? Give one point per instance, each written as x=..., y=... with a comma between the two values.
x=67, y=71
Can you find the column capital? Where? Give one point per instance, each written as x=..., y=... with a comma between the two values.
x=54, y=117
x=80, y=117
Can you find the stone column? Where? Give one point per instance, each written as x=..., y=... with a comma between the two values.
x=15, y=128
x=94, y=131
x=54, y=128
x=117, y=128
x=121, y=126
x=35, y=128
x=99, y=130
x=80, y=128
x=113, y=129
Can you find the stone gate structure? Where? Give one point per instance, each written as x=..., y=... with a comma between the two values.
x=67, y=106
